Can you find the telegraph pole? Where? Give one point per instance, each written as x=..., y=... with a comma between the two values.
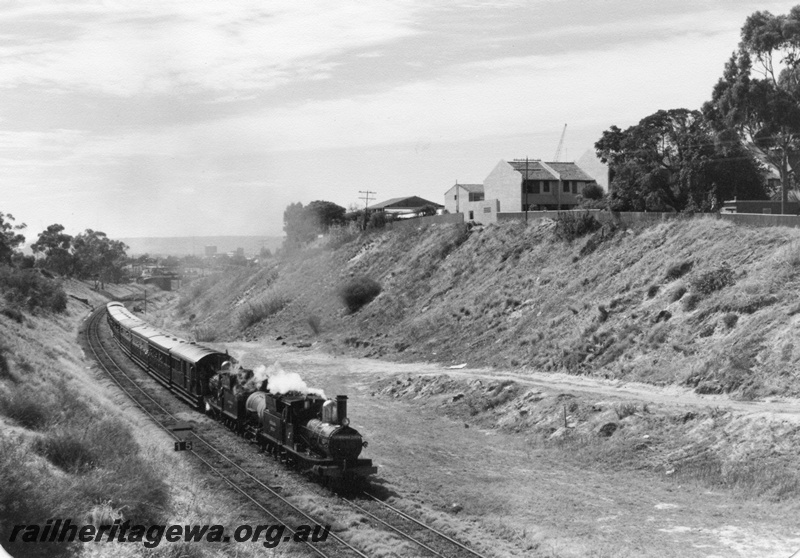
x=366, y=198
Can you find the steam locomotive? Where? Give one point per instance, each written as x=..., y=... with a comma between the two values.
x=307, y=431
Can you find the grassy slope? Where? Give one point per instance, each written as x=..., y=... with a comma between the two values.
x=514, y=296
x=72, y=447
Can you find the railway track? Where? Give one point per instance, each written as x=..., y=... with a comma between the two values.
x=267, y=499
x=235, y=476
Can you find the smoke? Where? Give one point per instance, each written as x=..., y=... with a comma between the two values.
x=281, y=381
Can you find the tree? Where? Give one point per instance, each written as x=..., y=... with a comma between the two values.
x=55, y=245
x=325, y=214
x=9, y=239
x=303, y=224
x=671, y=161
x=764, y=111
x=299, y=230
x=97, y=256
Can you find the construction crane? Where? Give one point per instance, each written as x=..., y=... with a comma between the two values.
x=560, y=145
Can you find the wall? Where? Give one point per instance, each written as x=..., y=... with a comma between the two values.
x=632, y=217
x=505, y=185
x=429, y=220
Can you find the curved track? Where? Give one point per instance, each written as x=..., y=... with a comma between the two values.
x=246, y=484
x=205, y=451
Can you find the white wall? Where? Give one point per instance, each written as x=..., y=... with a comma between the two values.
x=504, y=184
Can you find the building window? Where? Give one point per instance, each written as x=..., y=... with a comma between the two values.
x=566, y=186
x=455, y=197
x=574, y=186
x=546, y=186
x=471, y=215
x=475, y=196
x=531, y=186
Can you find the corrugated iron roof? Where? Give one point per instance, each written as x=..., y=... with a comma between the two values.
x=410, y=202
x=533, y=170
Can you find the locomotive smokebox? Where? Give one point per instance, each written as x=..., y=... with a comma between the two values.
x=341, y=409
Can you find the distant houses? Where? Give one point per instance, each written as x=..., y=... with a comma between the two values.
x=410, y=205
x=519, y=185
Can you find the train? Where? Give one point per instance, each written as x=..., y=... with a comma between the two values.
x=305, y=430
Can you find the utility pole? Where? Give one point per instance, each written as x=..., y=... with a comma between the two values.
x=366, y=198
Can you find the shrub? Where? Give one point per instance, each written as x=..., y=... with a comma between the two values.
x=730, y=319
x=206, y=333
x=678, y=270
x=677, y=293
x=625, y=410
x=713, y=280
x=315, y=323
x=652, y=291
x=691, y=302
x=572, y=225
x=27, y=409
x=358, y=292
x=5, y=369
x=67, y=450
x=593, y=191
x=268, y=305
x=28, y=288
x=377, y=220
x=14, y=314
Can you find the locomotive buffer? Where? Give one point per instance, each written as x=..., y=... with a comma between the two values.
x=182, y=431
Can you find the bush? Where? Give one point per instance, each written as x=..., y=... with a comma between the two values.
x=268, y=305
x=5, y=369
x=678, y=270
x=66, y=450
x=358, y=292
x=714, y=280
x=593, y=191
x=206, y=333
x=14, y=314
x=691, y=302
x=677, y=293
x=27, y=288
x=730, y=320
x=571, y=225
x=652, y=291
x=315, y=323
x=27, y=409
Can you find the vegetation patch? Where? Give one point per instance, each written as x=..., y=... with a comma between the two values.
x=571, y=225
x=713, y=280
x=678, y=270
x=268, y=305
x=27, y=288
x=358, y=292
x=27, y=408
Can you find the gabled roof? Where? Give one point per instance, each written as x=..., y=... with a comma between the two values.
x=410, y=202
x=473, y=188
x=533, y=170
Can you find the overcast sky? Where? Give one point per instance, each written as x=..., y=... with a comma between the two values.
x=200, y=117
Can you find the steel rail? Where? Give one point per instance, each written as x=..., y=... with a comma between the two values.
x=93, y=326
x=395, y=529
x=423, y=525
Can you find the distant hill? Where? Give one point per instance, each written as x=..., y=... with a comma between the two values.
x=186, y=245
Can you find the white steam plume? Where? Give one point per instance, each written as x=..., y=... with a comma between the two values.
x=281, y=381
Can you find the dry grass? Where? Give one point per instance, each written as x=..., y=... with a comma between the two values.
x=267, y=305
x=527, y=303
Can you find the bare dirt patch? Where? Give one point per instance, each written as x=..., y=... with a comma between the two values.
x=536, y=498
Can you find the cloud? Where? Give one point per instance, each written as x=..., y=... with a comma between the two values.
x=129, y=49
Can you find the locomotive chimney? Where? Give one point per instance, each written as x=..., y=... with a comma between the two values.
x=341, y=408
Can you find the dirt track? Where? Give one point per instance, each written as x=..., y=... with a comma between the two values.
x=529, y=497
